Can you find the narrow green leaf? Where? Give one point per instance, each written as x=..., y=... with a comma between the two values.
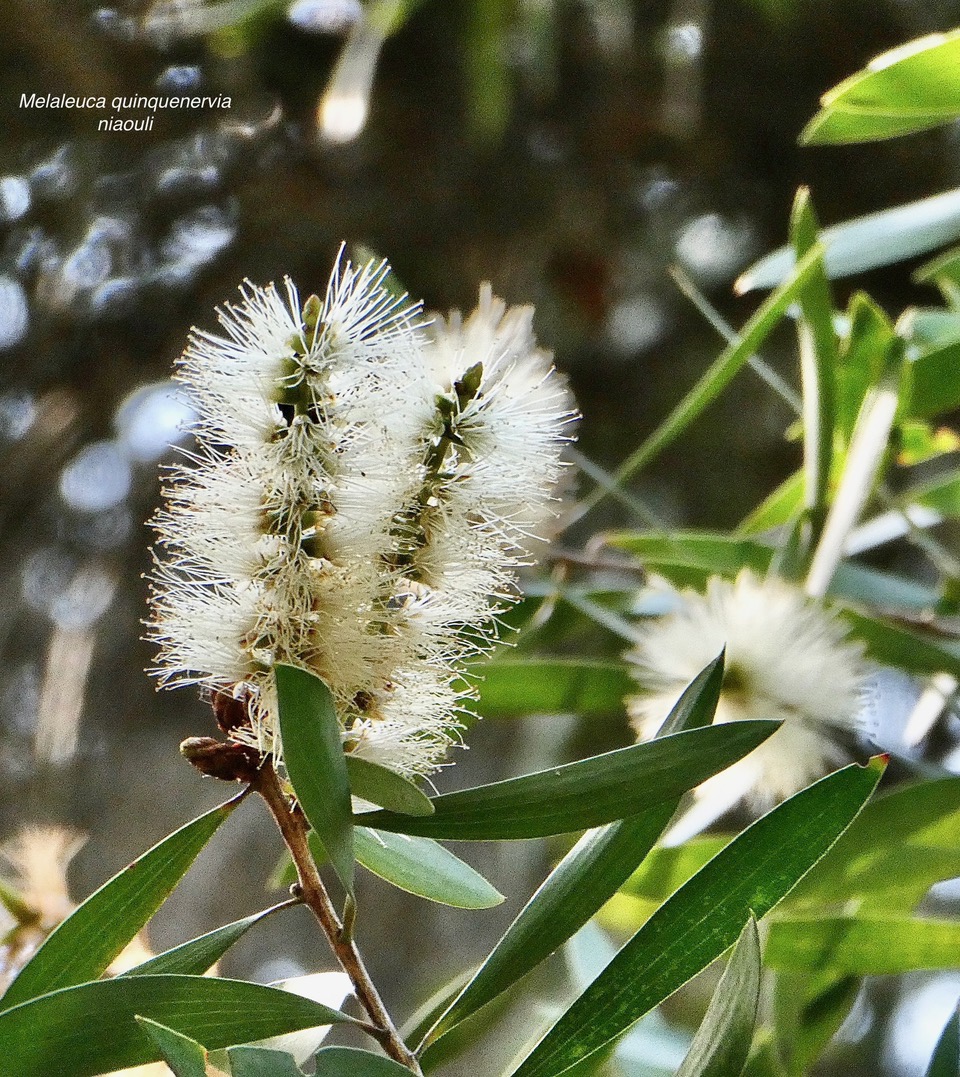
x=777, y=508
x=867, y=242
x=197, y=956
x=721, y=372
x=422, y=867
x=313, y=756
x=818, y=361
x=690, y=558
x=863, y=945
x=935, y=381
x=349, y=1062
x=86, y=942
x=722, y=1043
x=386, y=788
x=910, y=88
x=94, y=1026
x=585, y=794
x=513, y=687
x=808, y=1011
x=866, y=354
x=946, y=1055
x=903, y=648
x=896, y=849
x=667, y=868
x=585, y=878
x=754, y=872
x=262, y=1062
x=183, y=1055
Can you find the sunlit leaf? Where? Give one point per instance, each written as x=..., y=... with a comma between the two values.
x=864, y=243
x=863, y=945
x=910, y=88
x=512, y=687
x=752, y=874
x=90, y=938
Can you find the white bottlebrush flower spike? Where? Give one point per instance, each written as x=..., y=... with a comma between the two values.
x=362, y=491
x=787, y=658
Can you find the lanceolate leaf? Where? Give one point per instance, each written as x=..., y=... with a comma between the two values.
x=909, y=88
x=386, y=788
x=864, y=243
x=261, y=1062
x=585, y=794
x=863, y=945
x=587, y=876
x=86, y=942
x=722, y=1043
x=754, y=872
x=195, y=957
x=184, y=1056
x=422, y=867
x=314, y=759
x=93, y=1025
x=349, y=1062
x=514, y=687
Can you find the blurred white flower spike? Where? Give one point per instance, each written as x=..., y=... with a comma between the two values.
x=787, y=658
x=363, y=489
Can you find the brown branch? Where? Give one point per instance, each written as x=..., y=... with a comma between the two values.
x=294, y=829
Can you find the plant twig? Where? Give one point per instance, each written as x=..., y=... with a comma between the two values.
x=294, y=829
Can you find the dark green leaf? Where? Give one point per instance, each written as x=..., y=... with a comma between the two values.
x=262, y=1062
x=94, y=1025
x=422, y=867
x=754, y=872
x=183, y=1055
x=585, y=794
x=946, y=1056
x=908, y=89
x=512, y=687
x=586, y=877
x=195, y=957
x=722, y=1043
x=349, y=1062
x=863, y=945
x=86, y=942
x=386, y=788
x=313, y=756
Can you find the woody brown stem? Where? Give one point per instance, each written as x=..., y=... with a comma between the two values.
x=293, y=827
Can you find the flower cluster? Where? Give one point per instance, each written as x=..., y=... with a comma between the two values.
x=363, y=489
x=787, y=658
